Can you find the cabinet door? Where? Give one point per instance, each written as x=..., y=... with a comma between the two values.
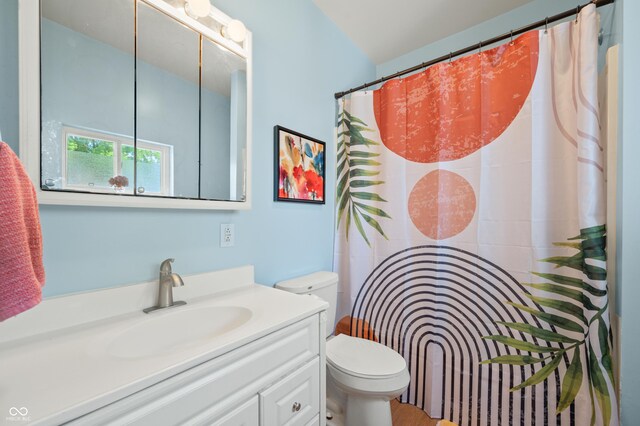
x=315, y=421
x=246, y=414
x=294, y=400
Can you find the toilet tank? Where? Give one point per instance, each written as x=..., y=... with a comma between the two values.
x=322, y=284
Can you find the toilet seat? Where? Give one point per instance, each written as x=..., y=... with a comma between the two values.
x=366, y=368
x=364, y=358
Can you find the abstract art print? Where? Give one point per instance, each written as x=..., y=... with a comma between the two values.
x=299, y=167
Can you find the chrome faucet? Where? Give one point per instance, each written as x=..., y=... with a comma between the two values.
x=168, y=280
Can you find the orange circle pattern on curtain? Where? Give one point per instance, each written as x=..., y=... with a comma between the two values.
x=451, y=110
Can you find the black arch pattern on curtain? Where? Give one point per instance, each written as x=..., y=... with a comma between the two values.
x=447, y=299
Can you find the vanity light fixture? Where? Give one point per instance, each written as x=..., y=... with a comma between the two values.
x=197, y=8
x=235, y=31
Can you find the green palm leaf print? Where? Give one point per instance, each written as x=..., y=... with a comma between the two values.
x=580, y=312
x=355, y=172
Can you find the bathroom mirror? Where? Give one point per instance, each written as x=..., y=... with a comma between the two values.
x=87, y=77
x=223, y=126
x=167, y=105
x=141, y=105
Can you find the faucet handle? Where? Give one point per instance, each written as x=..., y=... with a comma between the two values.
x=165, y=266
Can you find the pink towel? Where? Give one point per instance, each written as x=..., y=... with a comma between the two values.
x=21, y=269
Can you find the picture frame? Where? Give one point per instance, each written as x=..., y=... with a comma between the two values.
x=299, y=167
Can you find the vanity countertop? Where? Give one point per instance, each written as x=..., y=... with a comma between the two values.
x=65, y=373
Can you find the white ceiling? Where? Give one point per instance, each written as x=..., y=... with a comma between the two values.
x=386, y=29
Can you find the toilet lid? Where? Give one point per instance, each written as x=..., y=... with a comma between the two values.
x=363, y=358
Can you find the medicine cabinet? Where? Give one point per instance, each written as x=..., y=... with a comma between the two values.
x=135, y=103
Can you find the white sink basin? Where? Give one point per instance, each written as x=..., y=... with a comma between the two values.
x=176, y=329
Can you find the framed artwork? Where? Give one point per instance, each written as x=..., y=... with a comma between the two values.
x=299, y=167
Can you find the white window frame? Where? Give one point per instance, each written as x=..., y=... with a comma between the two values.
x=118, y=141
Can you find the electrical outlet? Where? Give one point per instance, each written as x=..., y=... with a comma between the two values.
x=226, y=235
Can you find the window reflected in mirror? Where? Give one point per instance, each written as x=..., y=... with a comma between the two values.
x=87, y=79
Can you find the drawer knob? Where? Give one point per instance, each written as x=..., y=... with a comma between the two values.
x=296, y=407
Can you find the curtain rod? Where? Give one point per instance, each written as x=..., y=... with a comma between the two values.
x=509, y=35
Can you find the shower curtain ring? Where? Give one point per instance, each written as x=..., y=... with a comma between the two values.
x=577, y=12
x=511, y=44
x=546, y=24
x=450, y=56
x=479, y=47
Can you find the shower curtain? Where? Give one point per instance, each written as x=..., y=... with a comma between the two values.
x=471, y=231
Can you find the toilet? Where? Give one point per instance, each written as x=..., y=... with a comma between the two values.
x=362, y=375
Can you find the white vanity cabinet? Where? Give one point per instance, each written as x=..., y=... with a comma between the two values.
x=275, y=380
x=95, y=358
x=245, y=415
x=295, y=399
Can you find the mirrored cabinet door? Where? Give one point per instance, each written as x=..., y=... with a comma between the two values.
x=167, y=119
x=87, y=99
x=223, y=95
x=140, y=100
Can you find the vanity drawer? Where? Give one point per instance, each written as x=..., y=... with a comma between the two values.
x=206, y=392
x=294, y=400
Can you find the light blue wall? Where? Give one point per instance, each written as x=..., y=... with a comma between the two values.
x=517, y=18
x=215, y=128
x=300, y=60
x=238, y=131
x=168, y=113
x=9, y=72
x=629, y=272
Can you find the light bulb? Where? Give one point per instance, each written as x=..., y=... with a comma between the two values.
x=235, y=30
x=197, y=8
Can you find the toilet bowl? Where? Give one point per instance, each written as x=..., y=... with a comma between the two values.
x=362, y=375
x=369, y=374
